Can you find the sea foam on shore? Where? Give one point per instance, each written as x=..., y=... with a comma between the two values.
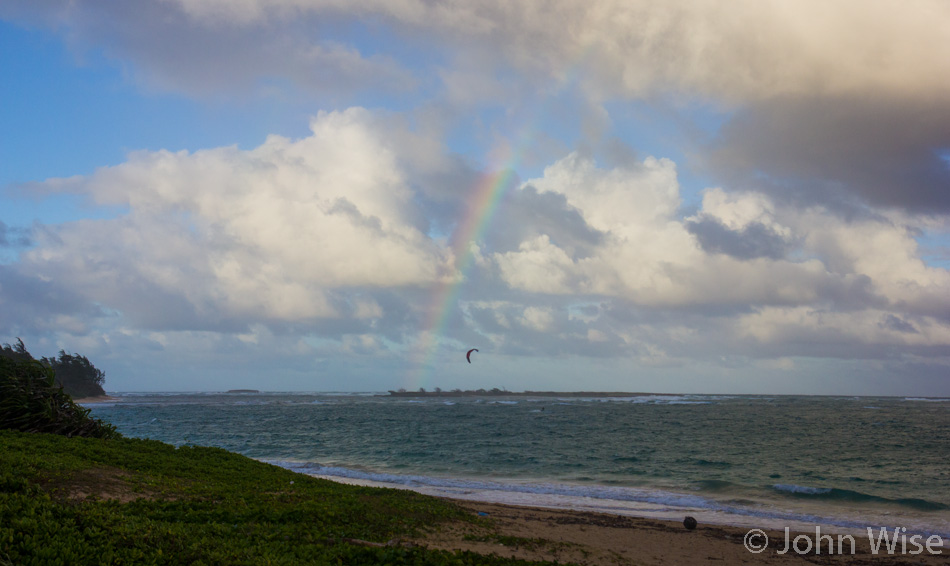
x=645, y=503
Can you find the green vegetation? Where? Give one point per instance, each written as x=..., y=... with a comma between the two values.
x=131, y=501
x=86, y=495
x=31, y=401
x=75, y=373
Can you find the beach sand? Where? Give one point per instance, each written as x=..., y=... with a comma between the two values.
x=96, y=399
x=601, y=539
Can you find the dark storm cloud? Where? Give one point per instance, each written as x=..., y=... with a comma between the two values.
x=886, y=151
x=753, y=241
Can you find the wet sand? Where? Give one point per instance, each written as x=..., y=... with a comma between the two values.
x=600, y=539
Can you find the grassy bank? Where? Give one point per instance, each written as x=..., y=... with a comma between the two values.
x=130, y=501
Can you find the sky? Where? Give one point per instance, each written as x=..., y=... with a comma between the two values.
x=684, y=196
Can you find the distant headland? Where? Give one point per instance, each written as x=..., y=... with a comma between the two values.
x=437, y=392
x=242, y=391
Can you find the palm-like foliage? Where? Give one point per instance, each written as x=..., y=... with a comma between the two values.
x=77, y=375
x=74, y=372
x=31, y=401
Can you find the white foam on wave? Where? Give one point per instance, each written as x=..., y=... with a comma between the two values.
x=648, y=503
x=803, y=489
x=666, y=399
x=161, y=393
x=463, y=485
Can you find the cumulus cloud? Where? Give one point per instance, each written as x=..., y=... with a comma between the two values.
x=282, y=232
x=324, y=235
x=647, y=254
x=786, y=271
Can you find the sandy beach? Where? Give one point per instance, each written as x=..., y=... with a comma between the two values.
x=602, y=539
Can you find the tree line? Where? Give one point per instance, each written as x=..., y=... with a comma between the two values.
x=75, y=373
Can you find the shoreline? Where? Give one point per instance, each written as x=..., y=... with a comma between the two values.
x=730, y=511
x=595, y=536
x=121, y=483
x=637, y=511
x=96, y=399
x=533, y=533
x=663, y=505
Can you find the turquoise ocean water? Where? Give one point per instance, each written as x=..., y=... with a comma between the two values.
x=764, y=461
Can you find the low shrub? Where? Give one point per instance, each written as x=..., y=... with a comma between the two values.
x=125, y=501
x=31, y=401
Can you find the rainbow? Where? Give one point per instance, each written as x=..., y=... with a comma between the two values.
x=487, y=195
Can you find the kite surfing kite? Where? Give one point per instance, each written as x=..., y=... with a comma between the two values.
x=468, y=355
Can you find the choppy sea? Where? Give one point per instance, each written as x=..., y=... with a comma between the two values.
x=758, y=461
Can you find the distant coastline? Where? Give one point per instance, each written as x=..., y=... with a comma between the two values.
x=242, y=391
x=505, y=393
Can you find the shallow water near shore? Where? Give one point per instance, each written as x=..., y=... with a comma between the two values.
x=762, y=461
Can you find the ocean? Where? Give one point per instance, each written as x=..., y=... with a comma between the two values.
x=843, y=463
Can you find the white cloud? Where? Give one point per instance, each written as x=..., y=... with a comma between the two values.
x=885, y=252
x=538, y=266
x=750, y=49
x=811, y=325
x=540, y=319
x=270, y=233
x=739, y=210
x=648, y=256
x=618, y=198
x=856, y=282
x=296, y=231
